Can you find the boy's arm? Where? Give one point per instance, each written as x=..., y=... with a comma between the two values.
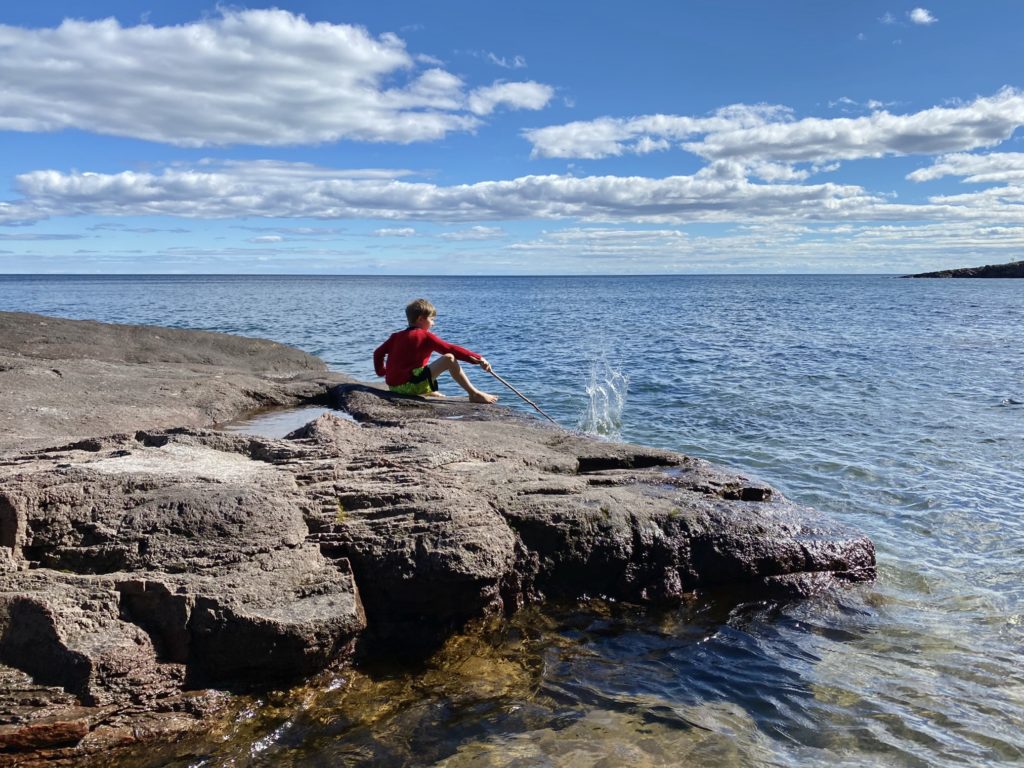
x=378, y=357
x=442, y=347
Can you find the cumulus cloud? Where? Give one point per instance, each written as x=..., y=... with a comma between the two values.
x=529, y=95
x=717, y=193
x=261, y=77
x=768, y=136
x=940, y=129
x=995, y=168
x=611, y=137
x=922, y=16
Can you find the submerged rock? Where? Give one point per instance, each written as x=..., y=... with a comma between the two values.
x=143, y=562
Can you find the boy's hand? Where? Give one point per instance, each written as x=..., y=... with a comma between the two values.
x=482, y=362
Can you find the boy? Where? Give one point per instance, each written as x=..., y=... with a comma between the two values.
x=406, y=371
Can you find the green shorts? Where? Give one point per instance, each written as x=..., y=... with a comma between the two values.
x=419, y=383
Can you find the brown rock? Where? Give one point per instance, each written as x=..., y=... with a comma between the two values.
x=141, y=556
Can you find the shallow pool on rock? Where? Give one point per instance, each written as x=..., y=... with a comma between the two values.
x=278, y=422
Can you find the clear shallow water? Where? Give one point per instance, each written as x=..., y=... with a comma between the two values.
x=894, y=405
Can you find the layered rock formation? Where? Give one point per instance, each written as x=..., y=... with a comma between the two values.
x=145, y=564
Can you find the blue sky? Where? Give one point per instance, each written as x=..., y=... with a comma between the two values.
x=514, y=138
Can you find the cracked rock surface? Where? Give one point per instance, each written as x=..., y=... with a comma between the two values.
x=145, y=564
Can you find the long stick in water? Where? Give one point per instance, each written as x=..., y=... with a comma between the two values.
x=524, y=397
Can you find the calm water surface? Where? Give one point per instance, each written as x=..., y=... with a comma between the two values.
x=896, y=406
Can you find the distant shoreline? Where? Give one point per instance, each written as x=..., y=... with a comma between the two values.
x=1012, y=269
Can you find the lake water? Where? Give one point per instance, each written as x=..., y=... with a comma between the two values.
x=896, y=406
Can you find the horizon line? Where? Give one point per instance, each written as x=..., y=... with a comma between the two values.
x=361, y=274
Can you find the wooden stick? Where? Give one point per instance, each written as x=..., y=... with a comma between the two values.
x=524, y=397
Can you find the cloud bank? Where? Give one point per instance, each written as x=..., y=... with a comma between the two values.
x=768, y=135
x=718, y=193
x=259, y=77
x=234, y=190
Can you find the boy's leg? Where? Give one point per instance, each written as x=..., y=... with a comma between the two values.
x=450, y=364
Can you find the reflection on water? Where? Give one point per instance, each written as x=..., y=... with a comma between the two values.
x=278, y=422
x=605, y=684
x=505, y=693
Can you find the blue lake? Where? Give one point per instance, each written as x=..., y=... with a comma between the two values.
x=896, y=406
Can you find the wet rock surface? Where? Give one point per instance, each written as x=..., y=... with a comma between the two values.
x=141, y=567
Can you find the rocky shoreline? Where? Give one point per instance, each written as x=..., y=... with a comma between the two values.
x=1012, y=269
x=149, y=563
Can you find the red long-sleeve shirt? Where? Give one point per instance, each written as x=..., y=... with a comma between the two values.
x=409, y=349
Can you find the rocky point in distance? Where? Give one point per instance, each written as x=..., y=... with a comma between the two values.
x=149, y=563
x=1012, y=269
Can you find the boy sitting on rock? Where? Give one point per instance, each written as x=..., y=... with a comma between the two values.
x=402, y=359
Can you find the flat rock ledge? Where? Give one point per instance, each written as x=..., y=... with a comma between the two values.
x=149, y=567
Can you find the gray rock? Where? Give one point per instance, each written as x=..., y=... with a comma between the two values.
x=74, y=379
x=141, y=556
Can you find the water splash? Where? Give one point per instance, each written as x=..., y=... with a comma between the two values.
x=606, y=395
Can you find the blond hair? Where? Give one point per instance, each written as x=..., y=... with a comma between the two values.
x=419, y=308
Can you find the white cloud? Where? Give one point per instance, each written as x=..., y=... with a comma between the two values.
x=994, y=168
x=887, y=18
x=280, y=172
x=600, y=241
x=983, y=123
x=395, y=232
x=717, y=193
x=262, y=77
x=31, y=237
x=516, y=62
x=529, y=95
x=292, y=234
x=768, y=134
x=611, y=137
x=773, y=246
x=921, y=16
x=846, y=104
x=474, y=233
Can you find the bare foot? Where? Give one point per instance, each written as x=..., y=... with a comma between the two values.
x=482, y=397
x=435, y=394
